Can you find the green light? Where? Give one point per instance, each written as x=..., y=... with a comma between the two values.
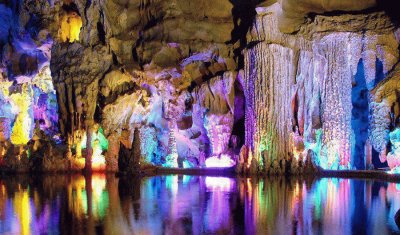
x=102, y=139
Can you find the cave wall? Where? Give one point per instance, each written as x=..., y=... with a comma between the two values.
x=300, y=89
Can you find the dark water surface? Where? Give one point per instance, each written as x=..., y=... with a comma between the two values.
x=176, y=205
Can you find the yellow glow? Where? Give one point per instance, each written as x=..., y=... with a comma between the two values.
x=78, y=197
x=98, y=188
x=22, y=209
x=22, y=126
x=98, y=185
x=79, y=140
x=250, y=158
x=75, y=190
x=98, y=160
x=70, y=27
x=80, y=162
x=4, y=88
x=20, y=131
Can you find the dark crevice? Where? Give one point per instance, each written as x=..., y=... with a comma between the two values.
x=101, y=33
x=135, y=55
x=192, y=86
x=70, y=8
x=87, y=5
x=379, y=74
x=239, y=128
x=151, y=23
x=312, y=15
x=115, y=59
x=243, y=13
x=359, y=116
x=376, y=162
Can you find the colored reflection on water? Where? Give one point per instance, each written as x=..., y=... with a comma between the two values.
x=175, y=204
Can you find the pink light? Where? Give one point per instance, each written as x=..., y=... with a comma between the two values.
x=222, y=184
x=223, y=161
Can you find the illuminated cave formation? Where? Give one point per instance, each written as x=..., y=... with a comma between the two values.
x=70, y=25
x=23, y=125
x=98, y=143
x=313, y=96
x=261, y=91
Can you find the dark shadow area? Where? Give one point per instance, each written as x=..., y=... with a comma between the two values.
x=129, y=191
x=34, y=25
x=243, y=13
x=359, y=215
x=359, y=116
x=397, y=218
x=70, y=8
x=379, y=75
x=238, y=130
x=102, y=33
x=376, y=162
x=392, y=8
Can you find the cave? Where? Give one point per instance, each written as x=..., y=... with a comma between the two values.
x=226, y=114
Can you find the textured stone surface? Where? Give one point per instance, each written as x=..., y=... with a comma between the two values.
x=305, y=82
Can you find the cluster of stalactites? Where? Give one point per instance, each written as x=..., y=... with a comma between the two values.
x=300, y=95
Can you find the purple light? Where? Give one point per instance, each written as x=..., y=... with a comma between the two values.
x=222, y=184
x=222, y=161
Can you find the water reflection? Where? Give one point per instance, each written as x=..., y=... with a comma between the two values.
x=103, y=204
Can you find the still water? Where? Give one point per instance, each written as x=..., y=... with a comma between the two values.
x=103, y=204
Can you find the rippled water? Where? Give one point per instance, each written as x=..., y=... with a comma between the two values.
x=196, y=205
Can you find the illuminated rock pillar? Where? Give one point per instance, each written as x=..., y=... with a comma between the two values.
x=89, y=149
x=334, y=57
x=268, y=88
x=172, y=157
x=308, y=94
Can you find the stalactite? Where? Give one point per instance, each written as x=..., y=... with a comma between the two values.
x=148, y=143
x=335, y=55
x=299, y=89
x=269, y=85
x=172, y=157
